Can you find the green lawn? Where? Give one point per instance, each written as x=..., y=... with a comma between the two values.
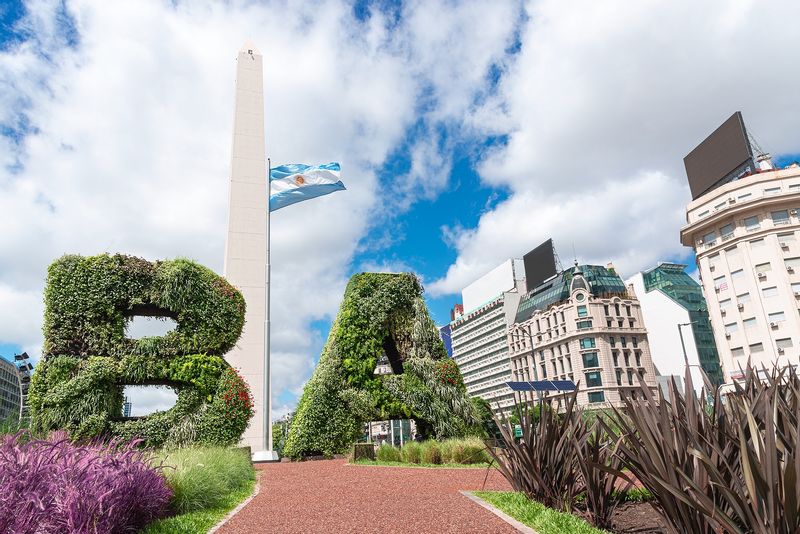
x=405, y=464
x=536, y=515
x=200, y=521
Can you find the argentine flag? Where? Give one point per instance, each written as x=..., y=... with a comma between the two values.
x=289, y=184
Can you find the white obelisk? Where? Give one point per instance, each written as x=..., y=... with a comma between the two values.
x=247, y=244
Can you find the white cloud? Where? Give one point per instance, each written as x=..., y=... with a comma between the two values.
x=601, y=104
x=129, y=137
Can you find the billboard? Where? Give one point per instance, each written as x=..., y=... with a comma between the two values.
x=540, y=264
x=721, y=157
x=489, y=286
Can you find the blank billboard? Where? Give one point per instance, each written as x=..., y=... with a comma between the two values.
x=724, y=151
x=540, y=264
x=489, y=286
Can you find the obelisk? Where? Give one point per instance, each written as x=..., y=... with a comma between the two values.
x=246, y=246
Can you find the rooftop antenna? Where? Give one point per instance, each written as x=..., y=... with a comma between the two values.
x=763, y=159
x=559, y=267
x=574, y=254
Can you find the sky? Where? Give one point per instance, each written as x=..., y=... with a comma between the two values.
x=468, y=132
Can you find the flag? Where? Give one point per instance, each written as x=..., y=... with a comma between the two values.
x=289, y=184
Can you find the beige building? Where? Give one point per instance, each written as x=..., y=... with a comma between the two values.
x=584, y=325
x=745, y=236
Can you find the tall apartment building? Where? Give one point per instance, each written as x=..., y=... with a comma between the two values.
x=745, y=237
x=10, y=391
x=584, y=325
x=676, y=315
x=478, y=334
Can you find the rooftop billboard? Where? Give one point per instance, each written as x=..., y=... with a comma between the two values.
x=540, y=264
x=723, y=156
x=491, y=285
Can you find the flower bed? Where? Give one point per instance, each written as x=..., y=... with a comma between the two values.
x=55, y=485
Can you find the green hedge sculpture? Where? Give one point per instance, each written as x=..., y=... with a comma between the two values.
x=380, y=315
x=87, y=359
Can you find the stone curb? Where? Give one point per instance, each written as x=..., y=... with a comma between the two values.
x=502, y=515
x=237, y=509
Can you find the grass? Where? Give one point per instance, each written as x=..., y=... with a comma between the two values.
x=469, y=450
x=387, y=463
x=536, y=515
x=207, y=484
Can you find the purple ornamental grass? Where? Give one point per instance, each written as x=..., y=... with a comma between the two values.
x=58, y=486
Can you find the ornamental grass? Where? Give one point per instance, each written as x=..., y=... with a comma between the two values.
x=57, y=486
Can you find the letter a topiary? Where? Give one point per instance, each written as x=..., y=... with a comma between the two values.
x=88, y=360
x=383, y=319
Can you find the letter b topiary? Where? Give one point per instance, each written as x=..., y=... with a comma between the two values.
x=88, y=360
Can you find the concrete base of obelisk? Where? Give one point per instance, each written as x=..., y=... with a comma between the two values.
x=260, y=457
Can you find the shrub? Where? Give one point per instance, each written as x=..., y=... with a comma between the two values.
x=544, y=463
x=203, y=477
x=387, y=453
x=431, y=452
x=719, y=466
x=411, y=452
x=464, y=451
x=55, y=485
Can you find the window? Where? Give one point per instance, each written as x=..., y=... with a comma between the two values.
x=777, y=317
x=605, y=309
x=784, y=343
x=561, y=364
x=787, y=237
x=780, y=217
x=732, y=252
x=709, y=238
x=737, y=274
x=593, y=379
x=616, y=310
x=562, y=318
x=569, y=363
x=638, y=359
x=756, y=347
x=794, y=187
x=772, y=190
x=796, y=288
x=769, y=292
x=792, y=263
x=582, y=311
x=590, y=359
x=619, y=377
x=582, y=325
x=615, y=355
x=623, y=341
x=627, y=310
x=738, y=352
x=726, y=232
x=764, y=267
x=720, y=283
x=596, y=396
x=720, y=205
x=627, y=358
x=751, y=223
x=745, y=196
x=725, y=304
x=635, y=341
x=630, y=377
x=749, y=323
x=757, y=243
x=587, y=343
x=744, y=298
x=731, y=327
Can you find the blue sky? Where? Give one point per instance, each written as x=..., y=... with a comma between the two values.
x=468, y=133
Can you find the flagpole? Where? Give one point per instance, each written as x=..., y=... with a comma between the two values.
x=267, y=376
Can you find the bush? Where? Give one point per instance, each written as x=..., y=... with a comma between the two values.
x=464, y=451
x=411, y=452
x=55, y=485
x=431, y=452
x=387, y=453
x=203, y=477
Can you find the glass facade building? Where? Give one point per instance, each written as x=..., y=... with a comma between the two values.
x=672, y=280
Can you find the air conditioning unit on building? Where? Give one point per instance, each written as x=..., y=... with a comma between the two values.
x=711, y=268
x=780, y=350
x=741, y=305
x=784, y=244
x=698, y=242
x=789, y=269
x=722, y=311
x=797, y=293
x=773, y=325
x=792, y=212
x=731, y=200
x=716, y=289
x=761, y=276
x=728, y=335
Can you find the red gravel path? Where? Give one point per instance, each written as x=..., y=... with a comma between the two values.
x=333, y=497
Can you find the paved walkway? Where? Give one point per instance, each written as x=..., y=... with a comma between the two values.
x=332, y=497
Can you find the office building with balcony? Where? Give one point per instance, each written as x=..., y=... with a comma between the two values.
x=678, y=327
x=584, y=325
x=478, y=333
x=10, y=392
x=745, y=236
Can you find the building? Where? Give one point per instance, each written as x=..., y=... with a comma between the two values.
x=447, y=337
x=745, y=237
x=10, y=392
x=676, y=315
x=127, y=406
x=478, y=334
x=584, y=325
